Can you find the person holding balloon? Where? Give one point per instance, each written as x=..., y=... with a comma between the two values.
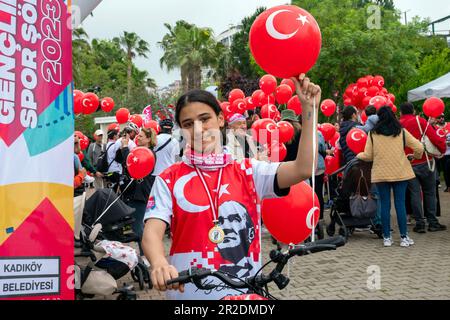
x=200, y=197
x=385, y=148
x=136, y=192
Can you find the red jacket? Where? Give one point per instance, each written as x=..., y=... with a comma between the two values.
x=409, y=122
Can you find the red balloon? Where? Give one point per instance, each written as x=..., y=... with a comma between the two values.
x=269, y=111
x=90, y=103
x=378, y=81
x=364, y=117
x=276, y=152
x=328, y=107
x=373, y=91
x=286, y=131
x=348, y=102
x=250, y=104
x=285, y=41
x=365, y=102
x=267, y=99
x=268, y=84
x=152, y=124
x=263, y=129
x=140, y=162
x=81, y=156
x=290, y=83
x=362, y=83
x=433, y=107
x=356, y=140
x=335, y=139
x=235, y=94
x=107, y=104
x=391, y=97
x=84, y=142
x=256, y=98
x=378, y=102
x=331, y=164
x=283, y=94
x=292, y=219
x=239, y=106
x=137, y=120
x=295, y=105
x=394, y=108
x=328, y=131
x=122, y=115
x=79, y=134
x=370, y=80
x=114, y=126
x=77, y=101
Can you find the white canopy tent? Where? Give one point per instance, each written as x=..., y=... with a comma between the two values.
x=439, y=88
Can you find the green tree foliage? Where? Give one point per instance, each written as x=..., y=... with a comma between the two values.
x=190, y=49
x=103, y=67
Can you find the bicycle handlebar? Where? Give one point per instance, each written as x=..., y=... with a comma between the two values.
x=195, y=275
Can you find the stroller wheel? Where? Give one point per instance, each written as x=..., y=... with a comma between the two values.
x=343, y=232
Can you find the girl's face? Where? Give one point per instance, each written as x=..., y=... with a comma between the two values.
x=142, y=140
x=201, y=127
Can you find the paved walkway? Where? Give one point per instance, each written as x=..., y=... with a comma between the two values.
x=419, y=272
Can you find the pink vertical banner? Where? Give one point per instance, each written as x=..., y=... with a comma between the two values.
x=147, y=113
x=36, y=151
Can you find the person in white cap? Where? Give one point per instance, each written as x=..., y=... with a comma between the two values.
x=94, y=151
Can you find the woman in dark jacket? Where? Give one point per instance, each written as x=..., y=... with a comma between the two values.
x=350, y=120
x=137, y=194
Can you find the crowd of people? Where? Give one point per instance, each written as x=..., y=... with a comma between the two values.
x=207, y=182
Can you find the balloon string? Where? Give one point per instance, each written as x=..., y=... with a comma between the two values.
x=313, y=178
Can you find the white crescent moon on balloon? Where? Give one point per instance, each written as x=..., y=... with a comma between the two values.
x=84, y=102
x=270, y=127
x=182, y=202
x=310, y=218
x=354, y=137
x=274, y=33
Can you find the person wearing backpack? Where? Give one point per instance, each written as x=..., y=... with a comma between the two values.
x=167, y=148
x=108, y=164
x=425, y=171
x=391, y=169
x=94, y=152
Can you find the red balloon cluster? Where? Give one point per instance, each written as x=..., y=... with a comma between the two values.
x=140, y=162
x=369, y=90
x=87, y=103
x=328, y=131
x=292, y=219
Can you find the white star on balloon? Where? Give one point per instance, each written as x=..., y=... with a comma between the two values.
x=303, y=19
x=135, y=160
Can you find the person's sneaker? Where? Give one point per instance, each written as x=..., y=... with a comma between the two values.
x=88, y=179
x=436, y=227
x=419, y=229
x=404, y=242
x=409, y=240
x=387, y=242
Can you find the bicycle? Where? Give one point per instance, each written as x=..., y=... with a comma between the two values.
x=257, y=285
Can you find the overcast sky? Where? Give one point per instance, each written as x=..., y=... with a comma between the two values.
x=147, y=18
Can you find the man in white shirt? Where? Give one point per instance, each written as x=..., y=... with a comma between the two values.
x=167, y=149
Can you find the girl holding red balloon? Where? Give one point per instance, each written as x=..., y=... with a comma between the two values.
x=211, y=202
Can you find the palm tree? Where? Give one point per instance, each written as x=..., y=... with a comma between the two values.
x=134, y=47
x=80, y=44
x=189, y=48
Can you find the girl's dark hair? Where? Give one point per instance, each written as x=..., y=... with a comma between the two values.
x=387, y=125
x=370, y=111
x=196, y=96
x=348, y=112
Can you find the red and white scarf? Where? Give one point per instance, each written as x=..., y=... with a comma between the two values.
x=207, y=162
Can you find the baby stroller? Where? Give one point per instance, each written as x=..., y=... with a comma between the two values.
x=340, y=210
x=107, y=224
